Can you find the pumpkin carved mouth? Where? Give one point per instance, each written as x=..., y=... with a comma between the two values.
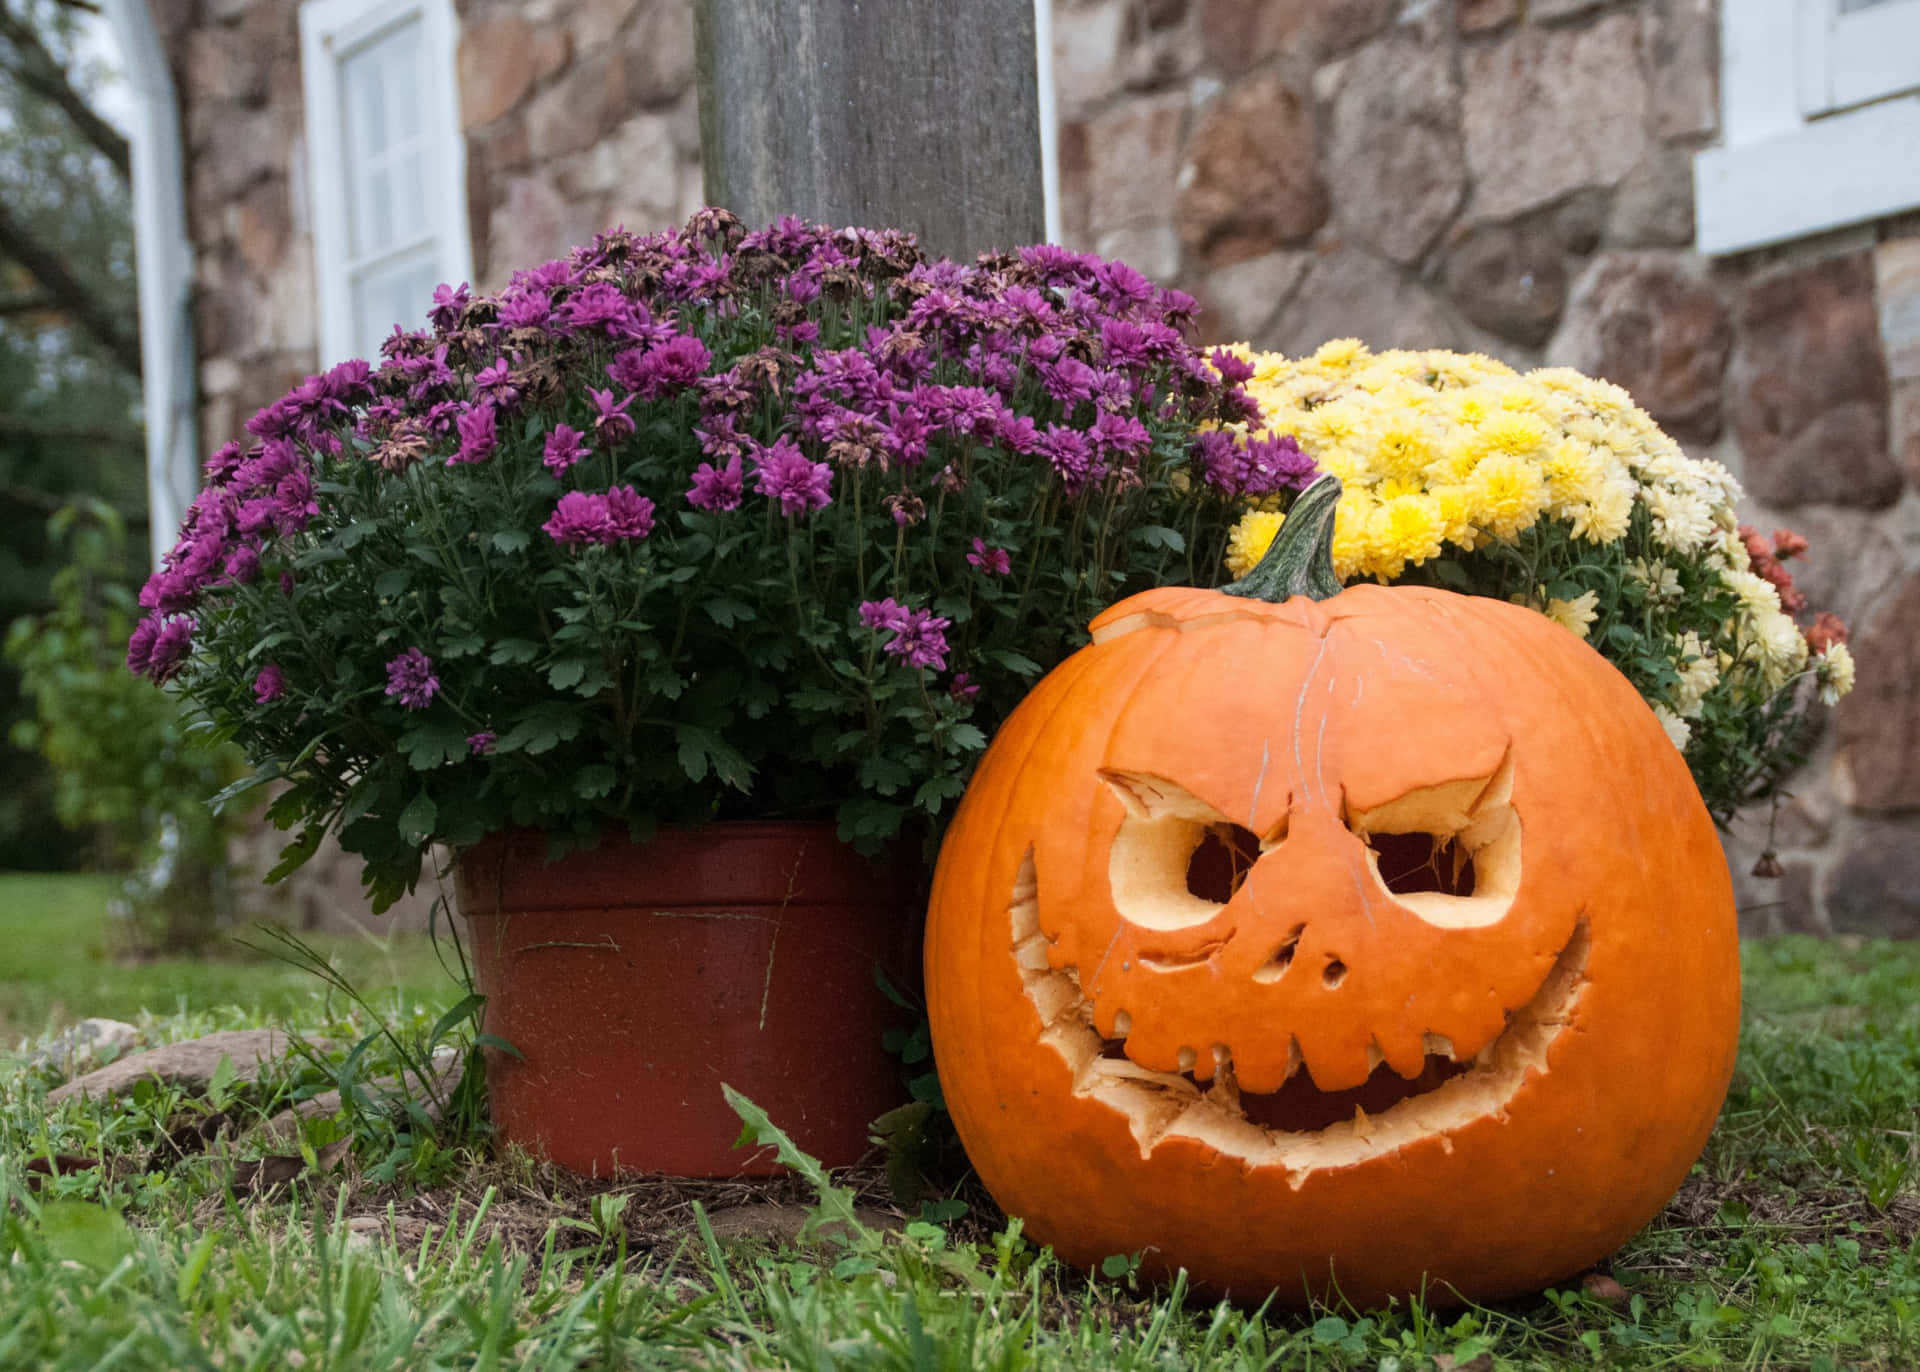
x=1297, y=1128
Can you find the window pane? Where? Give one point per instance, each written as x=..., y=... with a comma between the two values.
x=1849, y=6
x=382, y=88
x=397, y=294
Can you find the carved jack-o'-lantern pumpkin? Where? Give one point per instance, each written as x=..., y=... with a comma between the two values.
x=1366, y=940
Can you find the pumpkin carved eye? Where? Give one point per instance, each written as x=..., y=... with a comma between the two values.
x=1451, y=852
x=1177, y=859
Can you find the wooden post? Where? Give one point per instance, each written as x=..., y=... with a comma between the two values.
x=909, y=114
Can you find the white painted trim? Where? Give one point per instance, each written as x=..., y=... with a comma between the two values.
x=1048, y=114
x=1841, y=170
x=328, y=30
x=1852, y=58
x=1793, y=163
x=163, y=258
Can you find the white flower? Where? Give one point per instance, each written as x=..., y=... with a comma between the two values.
x=1662, y=582
x=1682, y=519
x=1783, y=649
x=1678, y=730
x=1699, y=673
x=1836, y=673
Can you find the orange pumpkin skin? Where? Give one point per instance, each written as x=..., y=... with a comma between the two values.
x=1113, y=1051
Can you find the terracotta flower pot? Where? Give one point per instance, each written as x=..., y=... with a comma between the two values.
x=636, y=978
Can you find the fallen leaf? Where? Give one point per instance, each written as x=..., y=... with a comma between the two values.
x=1603, y=1288
x=59, y=1165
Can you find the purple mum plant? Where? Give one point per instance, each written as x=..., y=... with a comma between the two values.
x=696, y=525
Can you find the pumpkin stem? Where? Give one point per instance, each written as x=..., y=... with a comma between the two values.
x=1300, y=562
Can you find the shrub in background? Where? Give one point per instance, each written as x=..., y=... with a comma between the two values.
x=125, y=767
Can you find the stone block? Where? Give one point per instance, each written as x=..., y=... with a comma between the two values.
x=1510, y=280
x=1896, y=281
x=1810, y=391
x=1549, y=111
x=1683, y=58
x=1653, y=207
x=1250, y=183
x=1237, y=302
x=1646, y=321
x=1873, y=885
x=1484, y=16
x=497, y=66
x=1347, y=292
x=1878, y=724
x=1395, y=162
x=1131, y=157
x=1239, y=35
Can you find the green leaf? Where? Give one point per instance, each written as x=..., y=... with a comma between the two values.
x=567, y=672
x=511, y=651
x=392, y=582
x=82, y=1232
x=965, y=738
x=1018, y=663
x=594, y=781
x=295, y=854
x=727, y=612
x=700, y=749
x=1160, y=536
x=510, y=541
x=883, y=775
x=417, y=820
x=221, y=1082
x=431, y=745
x=461, y=645
x=356, y=533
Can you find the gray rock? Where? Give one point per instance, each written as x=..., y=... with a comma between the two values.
x=189, y=1064
x=91, y=1040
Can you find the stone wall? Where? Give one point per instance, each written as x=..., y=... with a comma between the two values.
x=1511, y=176
x=1514, y=176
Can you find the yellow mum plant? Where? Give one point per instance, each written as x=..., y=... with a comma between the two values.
x=1555, y=490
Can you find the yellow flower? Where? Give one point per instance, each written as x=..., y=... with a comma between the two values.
x=1577, y=614
x=1509, y=494
x=1351, y=546
x=1250, y=539
x=1404, y=529
x=1340, y=353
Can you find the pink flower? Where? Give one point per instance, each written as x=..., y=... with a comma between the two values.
x=629, y=514
x=992, y=561
x=563, y=448
x=579, y=520
x=716, y=488
x=269, y=684
x=784, y=473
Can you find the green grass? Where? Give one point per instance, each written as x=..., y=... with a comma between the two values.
x=1794, y=1244
x=58, y=964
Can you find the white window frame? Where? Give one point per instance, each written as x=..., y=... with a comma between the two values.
x=1821, y=114
x=330, y=31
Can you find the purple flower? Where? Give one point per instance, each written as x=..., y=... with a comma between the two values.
x=495, y=382
x=784, y=473
x=883, y=614
x=579, y=520
x=480, y=744
x=410, y=679
x=716, y=488
x=477, y=434
x=992, y=561
x=165, y=647
x=243, y=565
x=668, y=366
x=448, y=303
x=963, y=686
x=612, y=423
x=1119, y=436
x=1072, y=459
x=629, y=514
x=1233, y=370
x=140, y=645
x=564, y=448
x=918, y=636
x=269, y=684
